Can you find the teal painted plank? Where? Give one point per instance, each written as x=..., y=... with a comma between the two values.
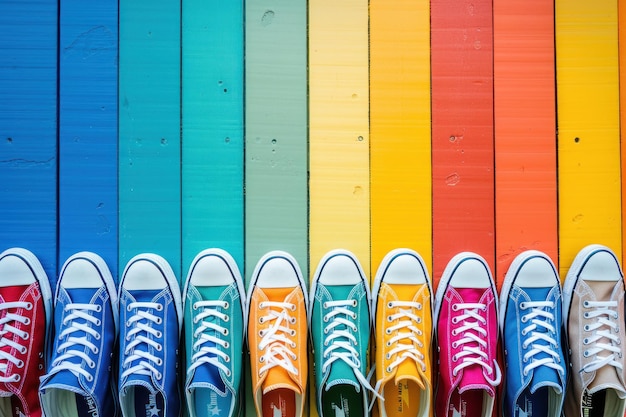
x=28, y=129
x=212, y=126
x=276, y=206
x=149, y=130
x=276, y=130
x=88, y=129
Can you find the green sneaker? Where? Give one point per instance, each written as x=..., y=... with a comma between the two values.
x=214, y=330
x=340, y=326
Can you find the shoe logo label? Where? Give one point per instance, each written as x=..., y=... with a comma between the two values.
x=527, y=411
x=587, y=404
x=212, y=408
x=344, y=410
x=458, y=412
x=403, y=396
x=455, y=412
x=276, y=411
x=151, y=408
x=91, y=404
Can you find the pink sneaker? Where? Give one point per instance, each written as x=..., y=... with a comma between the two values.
x=467, y=338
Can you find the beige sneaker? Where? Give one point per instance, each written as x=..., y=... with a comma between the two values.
x=593, y=317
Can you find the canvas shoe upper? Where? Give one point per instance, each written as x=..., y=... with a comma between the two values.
x=150, y=326
x=340, y=325
x=593, y=317
x=213, y=299
x=530, y=320
x=402, y=300
x=277, y=336
x=467, y=338
x=25, y=314
x=80, y=380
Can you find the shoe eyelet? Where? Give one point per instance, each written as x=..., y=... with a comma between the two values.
x=226, y=319
x=40, y=367
x=355, y=329
x=17, y=378
x=325, y=330
x=455, y=345
x=389, y=369
x=227, y=373
x=522, y=305
x=262, y=304
x=419, y=319
x=261, y=333
x=353, y=315
x=326, y=319
x=455, y=307
x=354, y=303
x=26, y=321
x=92, y=364
x=95, y=350
x=388, y=344
x=586, y=354
x=292, y=307
x=159, y=334
x=262, y=359
x=325, y=305
x=388, y=331
x=615, y=315
x=585, y=341
x=419, y=306
x=29, y=306
x=586, y=304
x=159, y=348
x=226, y=345
x=292, y=320
x=97, y=336
x=89, y=378
x=128, y=308
x=159, y=361
x=524, y=319
x=227, y=359
x=388, y=356
x=454, y=332
x=225, y=332
x=389, y=319
x=389, y=304
x=586, y=328
x=98, y=322
x=159, y=307
x=226, y=304
x=159, y=376
x=23, y=350
x=586, y=314
x=159, y=320
x=454, y=358
x=261, y=320
x=98, y=308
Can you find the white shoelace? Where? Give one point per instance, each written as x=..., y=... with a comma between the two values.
x=72, y=324
x=542, y=336
x=6, y=338
x=605, y=327
x=140, y=324
x=407, y=345
x=206, y=334
x=472, y=342
x=340, y=341
x=274, y=340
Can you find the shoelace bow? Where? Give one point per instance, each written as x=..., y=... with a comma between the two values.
x=542, y=336
x=605, y=327
x=142, y=362
x=274, y=340
x=77, y=324
x=206, y=342
x=472, y=341
x=6, y=338
x=340, y=342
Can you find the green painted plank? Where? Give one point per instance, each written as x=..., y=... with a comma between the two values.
x=212, y=126
x=276, y=130
x=149, y=130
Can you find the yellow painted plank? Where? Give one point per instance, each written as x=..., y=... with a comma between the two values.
x=400, y=170
x=339, y=128
x=588, y=123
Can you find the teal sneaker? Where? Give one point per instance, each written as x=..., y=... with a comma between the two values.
x=213, y=299
x=340, y=326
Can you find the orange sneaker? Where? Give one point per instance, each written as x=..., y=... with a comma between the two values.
x=277, y=336
x=402, y=299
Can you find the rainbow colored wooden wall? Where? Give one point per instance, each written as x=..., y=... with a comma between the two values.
x=483, y=125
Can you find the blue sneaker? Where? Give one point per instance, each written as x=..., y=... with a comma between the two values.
x=80, y=380
x=530, y=320
x=214, y=330
x=151, y=321
x=340, y=324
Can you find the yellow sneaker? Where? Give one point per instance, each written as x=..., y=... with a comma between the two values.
x=277, y=336
x=402, y=299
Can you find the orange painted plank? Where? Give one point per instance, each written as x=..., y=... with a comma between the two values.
x=525, y=130
x=462, y=138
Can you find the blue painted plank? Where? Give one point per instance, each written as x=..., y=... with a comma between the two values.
x=88, y=129
x=149, y=130
x=212, y=127
x=28, y=128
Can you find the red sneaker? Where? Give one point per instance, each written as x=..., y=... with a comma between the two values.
x=25, y=311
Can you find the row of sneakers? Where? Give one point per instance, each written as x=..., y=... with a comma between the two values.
x=279, y=316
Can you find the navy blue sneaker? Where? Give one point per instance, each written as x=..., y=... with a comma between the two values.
x=530, y=319
x=80, y=381
x=151, y=321
x=214, y=304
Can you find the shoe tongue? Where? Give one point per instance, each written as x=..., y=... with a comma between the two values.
x=606, y=378
x=408, y=371
x=66, y=380
x=545, y=376
x=208, y=375
x=341, y=374
x=473, y=378
x=279, y=378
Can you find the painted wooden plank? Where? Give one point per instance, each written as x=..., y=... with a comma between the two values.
x=28, y=129
x=149, y=130
x=622, y=99
x=339, y=129
x=276, y=213
x=588, y=120
x=212, y=128
x=462, y=141
x=525, y=130
x=88, y=129
x=400, y=172
x=339, y=192
x=276, y=130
